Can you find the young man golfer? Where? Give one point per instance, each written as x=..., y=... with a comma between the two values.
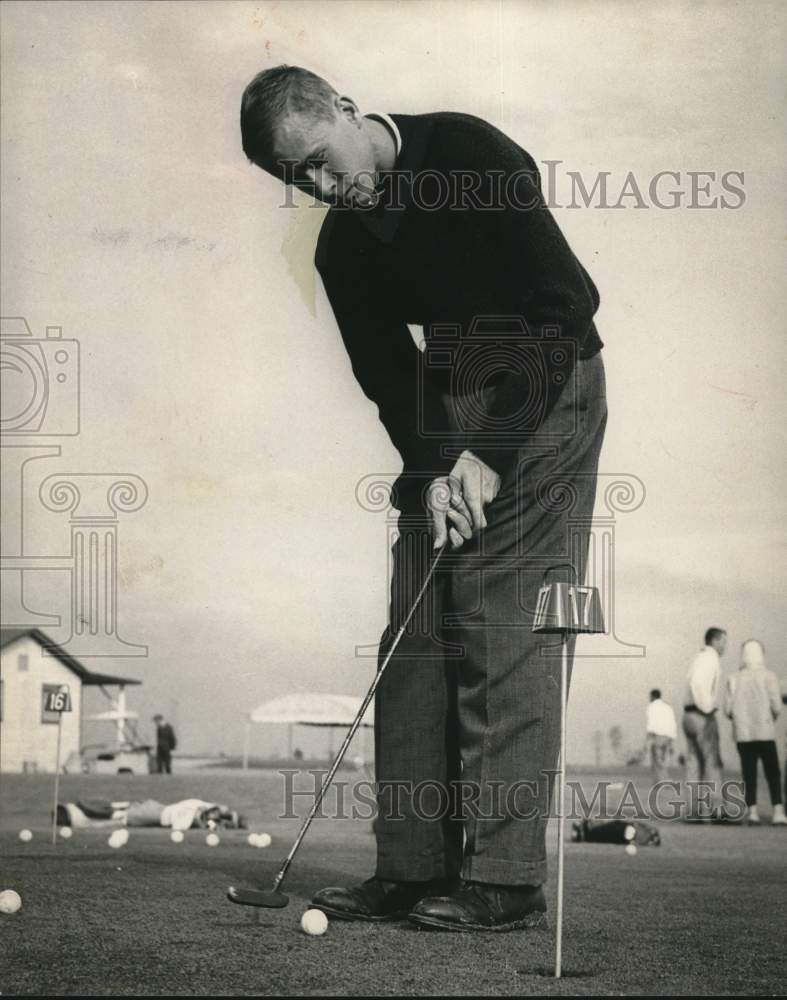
x=438, y=221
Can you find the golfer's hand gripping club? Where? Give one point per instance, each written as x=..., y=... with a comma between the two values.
x=456, y=502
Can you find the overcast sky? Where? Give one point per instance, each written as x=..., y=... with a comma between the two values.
x=212, y=367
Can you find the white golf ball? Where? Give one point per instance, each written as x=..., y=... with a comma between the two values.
x=176, y=837
x=251, y=840
x=25, y=836
x=66, y=832
x=118, y=838
x=212, y=840
x=10, y=901
x=631, y=850
x=314, y=923
x=263, y=840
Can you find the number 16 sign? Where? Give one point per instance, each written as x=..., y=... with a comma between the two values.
x=58, y=699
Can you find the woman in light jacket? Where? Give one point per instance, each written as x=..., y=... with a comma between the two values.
x=753, y=701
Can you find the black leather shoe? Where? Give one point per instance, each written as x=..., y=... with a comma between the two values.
x=376, y=898
x=477, y=906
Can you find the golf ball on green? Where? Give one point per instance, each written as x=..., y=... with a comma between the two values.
x=176, y=837
x=25, y=836
x=631, y=850
x=314, y=923
x=212, y=840
x=10, y=901
x=66, y=832
x=263, y=840
x=118, y=838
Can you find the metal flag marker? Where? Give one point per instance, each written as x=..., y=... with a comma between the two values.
x=565, y=609
x=58, y=700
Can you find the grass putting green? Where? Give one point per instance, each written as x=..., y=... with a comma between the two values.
x=702, y=914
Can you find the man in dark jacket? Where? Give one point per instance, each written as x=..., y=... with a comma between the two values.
x=438, y=221
x=165, y=744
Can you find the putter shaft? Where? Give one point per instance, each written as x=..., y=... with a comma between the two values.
x=282, y=872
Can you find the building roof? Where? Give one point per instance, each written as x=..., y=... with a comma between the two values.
x=88, y=677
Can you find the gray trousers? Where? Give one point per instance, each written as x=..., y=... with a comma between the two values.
x=467, y=715
x=660, y=750
x=703, y=763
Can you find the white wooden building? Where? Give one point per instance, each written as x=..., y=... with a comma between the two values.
x=31, y=665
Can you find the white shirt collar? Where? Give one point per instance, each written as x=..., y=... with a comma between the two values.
x=382, y=116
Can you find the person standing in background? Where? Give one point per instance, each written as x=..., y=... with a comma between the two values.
x=701, y=728
x=661, y=731
x=753, y=702
x=165, y=744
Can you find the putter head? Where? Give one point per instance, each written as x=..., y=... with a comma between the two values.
x=270, y=900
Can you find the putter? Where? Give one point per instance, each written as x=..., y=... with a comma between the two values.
x=274, y=898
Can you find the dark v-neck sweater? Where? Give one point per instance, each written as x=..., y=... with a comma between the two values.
x=505, y=305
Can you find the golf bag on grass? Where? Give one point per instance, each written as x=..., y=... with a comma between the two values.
x=615, y=831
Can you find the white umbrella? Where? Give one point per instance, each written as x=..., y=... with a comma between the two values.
x=113, y=715
x=308, y=709
x=313, y=710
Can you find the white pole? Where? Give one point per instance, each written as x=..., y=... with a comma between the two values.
x=246, y=738
x=560, y=806
x=121, y=715
x=57, y=777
